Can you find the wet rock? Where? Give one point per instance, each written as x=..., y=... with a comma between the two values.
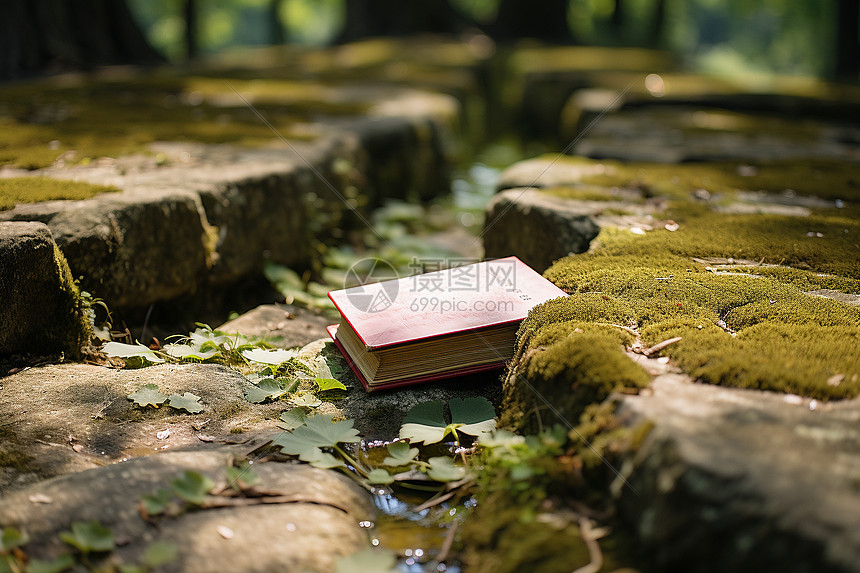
x=283, y=325
x=316, y=521
x=41, y=310
x=536, y=227
x=65, y=418
x=742, y=480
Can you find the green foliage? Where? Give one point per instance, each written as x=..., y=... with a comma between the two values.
x=187, y=401
x=327, y=375
x=242, y=477
x=192, y=487
x=11, y=538
x=292, y=419
x=148, y=395
x=157, y=502
x=266, y=389
x=89, y=537
x=400, y=454
x=272, y=357
x=56, y=565
x=379, y=476
x=307, y=440
x=159, y=553
x=131, y=351
x=426, y=423
x=442, y=468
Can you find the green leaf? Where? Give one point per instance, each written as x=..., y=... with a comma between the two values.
x=501, y=439
x=305, y=399
x=321, y=459
x=159, y=553
x=293, y=418
x=56, y=565
x=6, y=564
x=474, y=416
x=192, y=487
x=324, y=384
x=155, y=503
x=367, y=561
x=317, y=432
x=379, y=477
x=400, y=454
x=185, y=352
x=89, y=536
x=188, y=402
x=10, y=538
x=443, y=469
x=327, y=374
x=425, y=422
x=130, y=350
x=242, y=477
x=273, y=357
x=148, y=396
x=266, y=389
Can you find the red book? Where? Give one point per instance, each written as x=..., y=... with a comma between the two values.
x=436, y=325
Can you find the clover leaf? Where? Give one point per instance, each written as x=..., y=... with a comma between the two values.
x=89, y=536
x=187, y=401
x=426, y=423
x=400, y=454
x=148, y=395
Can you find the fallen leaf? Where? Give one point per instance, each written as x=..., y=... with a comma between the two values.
x=273, y=357
x=148, y=395
x=40, y=498
x=187, y=401
x=89, y=536
x=131, y=350
x=163, y=434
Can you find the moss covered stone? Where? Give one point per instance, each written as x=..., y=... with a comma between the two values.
x=15, y=190
x=42, y=311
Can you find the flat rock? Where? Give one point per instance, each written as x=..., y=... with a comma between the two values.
x=284, y=325
x=70, y=417
x=317, y=521
x=773, y=477
x=41, y=311
x=536, y=227
x=673, y=134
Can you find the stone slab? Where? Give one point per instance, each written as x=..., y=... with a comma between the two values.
x=758, y=481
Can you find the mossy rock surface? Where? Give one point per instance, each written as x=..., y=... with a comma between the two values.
x=42, y=312
x=729, y=267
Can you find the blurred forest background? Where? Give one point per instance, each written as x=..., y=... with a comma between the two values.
x=798, y=37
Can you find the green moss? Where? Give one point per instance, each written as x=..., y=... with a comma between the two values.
x=35, y=189
x=569, y=362
x=827, y=179
x=74, y=326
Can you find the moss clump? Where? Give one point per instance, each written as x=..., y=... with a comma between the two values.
x=15, y=190
x=827, y=179
x=785, y=340
x=569, y=351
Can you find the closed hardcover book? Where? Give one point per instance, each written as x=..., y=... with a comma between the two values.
x=436, y=325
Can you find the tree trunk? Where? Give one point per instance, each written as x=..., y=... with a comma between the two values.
x=545, y=20
x=658, y=23
x=618, y=15
x=191, y=45
x=44, y=36
x=276, y=29
x=847, y=47
x=369, y=18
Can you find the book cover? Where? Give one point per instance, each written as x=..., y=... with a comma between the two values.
x=439, y=303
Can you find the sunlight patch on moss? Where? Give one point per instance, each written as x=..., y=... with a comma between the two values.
x=35, y=189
